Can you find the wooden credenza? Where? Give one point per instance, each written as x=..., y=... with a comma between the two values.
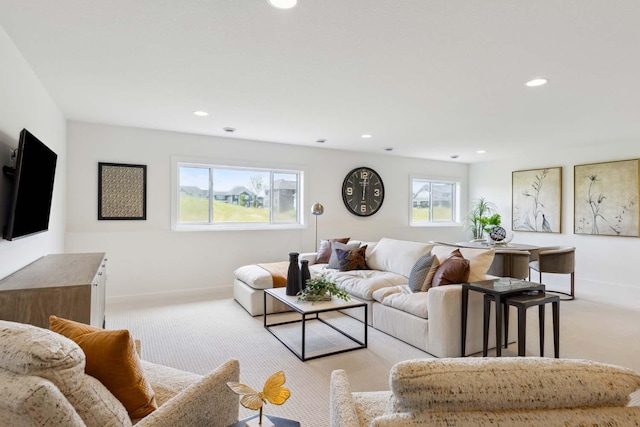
x=71, y=286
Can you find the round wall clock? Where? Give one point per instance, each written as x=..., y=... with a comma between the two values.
x=362, y=191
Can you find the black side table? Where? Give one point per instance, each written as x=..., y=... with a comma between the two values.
x=523, y=302
x=498, y=289
x=277, y=421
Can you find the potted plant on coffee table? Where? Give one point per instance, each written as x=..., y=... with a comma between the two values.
x=321, y=289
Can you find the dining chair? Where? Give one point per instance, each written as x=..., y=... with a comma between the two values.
x=558, y=260
x=510, y=263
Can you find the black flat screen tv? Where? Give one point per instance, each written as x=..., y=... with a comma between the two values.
x=32, y=188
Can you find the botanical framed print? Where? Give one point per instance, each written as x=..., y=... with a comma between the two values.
x=122, y=191
x=606, y=198
x=537, y=200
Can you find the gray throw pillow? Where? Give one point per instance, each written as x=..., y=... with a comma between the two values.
x=334, y=262
x=420, y=272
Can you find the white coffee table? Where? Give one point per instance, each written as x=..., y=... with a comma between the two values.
x=311, y=312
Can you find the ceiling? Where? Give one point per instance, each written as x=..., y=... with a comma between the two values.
x=428, y=78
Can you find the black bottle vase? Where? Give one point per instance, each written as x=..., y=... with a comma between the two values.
x=305, y=274
x=293, y=275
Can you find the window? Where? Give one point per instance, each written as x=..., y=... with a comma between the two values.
x=433, y=201
x=211, y=196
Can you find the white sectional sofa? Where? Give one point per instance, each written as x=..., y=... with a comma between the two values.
x=506, y=391
x=430, y=321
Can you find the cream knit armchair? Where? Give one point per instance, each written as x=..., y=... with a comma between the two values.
x=484, y=392
x=42, y=383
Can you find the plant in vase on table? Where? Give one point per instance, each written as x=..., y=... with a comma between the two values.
x=321, y=289
x=482, y=218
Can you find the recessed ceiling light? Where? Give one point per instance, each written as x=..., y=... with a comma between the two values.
x=228, y=129
x=200, y=113
x=366, y=136
x=536, y=82
x=481, y=151
x=321, y=141
x=388, y=149
x=283, y=4
x=454, y=156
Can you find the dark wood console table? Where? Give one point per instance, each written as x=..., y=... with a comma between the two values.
x=71, y=286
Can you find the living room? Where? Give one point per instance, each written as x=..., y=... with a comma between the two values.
x=594, y=119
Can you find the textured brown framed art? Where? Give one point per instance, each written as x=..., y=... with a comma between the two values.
x=122, y=191
x=606, y=198
x=537, y=200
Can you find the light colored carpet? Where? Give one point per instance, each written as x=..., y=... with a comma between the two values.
x=198, y=336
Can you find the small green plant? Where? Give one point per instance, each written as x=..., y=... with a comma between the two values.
x=317, y=289
x=490, y=222
x=482, y=217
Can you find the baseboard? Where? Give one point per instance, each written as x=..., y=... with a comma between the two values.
x=159, y=298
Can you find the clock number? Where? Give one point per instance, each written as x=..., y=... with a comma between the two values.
x=349, y=191
x=376, y=192
x=364, y=174
x=363, y=208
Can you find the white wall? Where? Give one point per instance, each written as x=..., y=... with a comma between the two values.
x=146, y=257
x=607, y=268
x=24, y=103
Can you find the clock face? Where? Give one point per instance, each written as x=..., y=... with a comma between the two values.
x=362, y=191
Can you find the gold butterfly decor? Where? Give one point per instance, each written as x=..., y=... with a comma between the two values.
x=272, y=392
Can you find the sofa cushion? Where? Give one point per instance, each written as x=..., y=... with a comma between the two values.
x=396, y=256
x=353, y=259
x=324, y=251
x=334, y=262
x=33, y=401
x=363, y=283
x=29, y=350
x=254, y=276
x=432, y=272
x=112, y=359
x=454, y=269
x=506, y=384
x=422, y=272
x=32, y=351
x=479, y=259
x=97, y=406
x=404, y=299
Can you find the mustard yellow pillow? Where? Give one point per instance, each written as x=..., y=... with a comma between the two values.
x=112, y=359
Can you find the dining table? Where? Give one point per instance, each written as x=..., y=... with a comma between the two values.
x=508, y=260
x=498, y=246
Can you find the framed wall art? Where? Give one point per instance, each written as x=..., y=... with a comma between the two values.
x=122, y=191
x=606, y=198
x=537, y=200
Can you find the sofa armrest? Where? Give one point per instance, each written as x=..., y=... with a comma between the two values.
x=342, y=410
x=208, y=401
x=444, y=305
x=309, y=256
x=444, y=308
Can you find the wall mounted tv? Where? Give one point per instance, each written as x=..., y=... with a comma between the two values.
x=32, y=188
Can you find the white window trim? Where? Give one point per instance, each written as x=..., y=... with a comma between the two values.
x=457, y=211
x=175, y=194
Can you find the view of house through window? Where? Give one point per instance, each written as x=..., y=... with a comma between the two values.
x=226, y=195
x=432, y=201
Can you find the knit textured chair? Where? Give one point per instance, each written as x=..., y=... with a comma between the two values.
x=43, y=383
x=558, y=260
